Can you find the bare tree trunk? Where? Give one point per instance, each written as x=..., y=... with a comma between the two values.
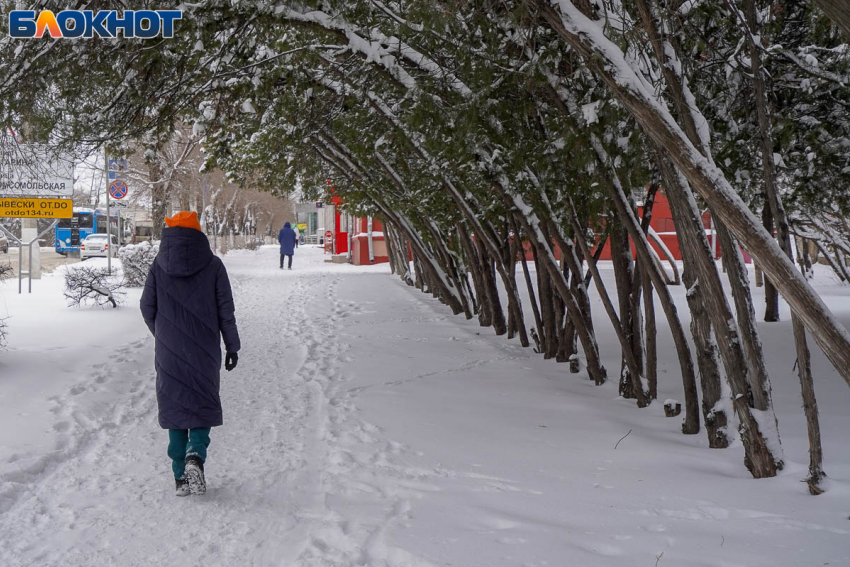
x=839, y=12
x=690, y=425
x=398, y=251
x=511, y=251
x=561, y=354
x=810, y=408
x=803, y=258
x=488, y=276
x=714, y=412
x=842, y=275
x=621, y=258
x=487, y=236
x=547, y=314
x=638, y=343
x=804, y=369
x=538, y=320
x=565, y=336
x=547, y=259
x=448, y=261
x=759, y=457
x=651, y=345
x=605, y=60
x=473, y=262
x=620, y=327
x=159, y=201
x=394, y=269
x=771, y=297
x=739, y=282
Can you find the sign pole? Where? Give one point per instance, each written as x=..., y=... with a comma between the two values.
x=20, y=262
x=108, y=218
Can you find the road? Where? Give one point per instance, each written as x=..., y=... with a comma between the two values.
x=50, y=260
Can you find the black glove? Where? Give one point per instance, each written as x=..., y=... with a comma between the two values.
x=230, y=361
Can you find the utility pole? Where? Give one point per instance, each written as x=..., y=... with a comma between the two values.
x=108, y=218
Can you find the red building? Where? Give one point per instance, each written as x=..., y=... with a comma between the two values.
x=665, y=229
x=662, y=224
x=360, y=242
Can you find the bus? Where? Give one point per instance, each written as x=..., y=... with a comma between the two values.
x=142, y=231
x=70, y=232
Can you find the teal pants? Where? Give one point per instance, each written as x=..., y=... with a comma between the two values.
x=184, y=443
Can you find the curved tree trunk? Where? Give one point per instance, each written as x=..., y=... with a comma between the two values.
x=531, y=226
x=804, y=369
x=636, y=384
x=771, y=297
x=759, y=446
x=606, y=60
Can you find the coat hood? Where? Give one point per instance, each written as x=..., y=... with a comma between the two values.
x=183, y=251
x=287, y=225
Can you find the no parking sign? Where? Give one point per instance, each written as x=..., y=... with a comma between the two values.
x=118, y=189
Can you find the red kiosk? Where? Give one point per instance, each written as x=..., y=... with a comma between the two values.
x=339, y=239
x=368, y=245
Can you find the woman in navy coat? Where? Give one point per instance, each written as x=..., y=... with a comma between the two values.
x=187, y=304
x=288, y=241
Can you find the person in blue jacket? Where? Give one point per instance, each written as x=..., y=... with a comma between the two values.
x=187, y=304
x=288, y=242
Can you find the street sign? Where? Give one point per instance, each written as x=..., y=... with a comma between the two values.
x=37, y=208
x=116, y=165
x=118, y=189
x=34, y=170
x=301, y=226
x=329, y=235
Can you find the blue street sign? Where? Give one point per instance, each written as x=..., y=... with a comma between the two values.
x=116, y=165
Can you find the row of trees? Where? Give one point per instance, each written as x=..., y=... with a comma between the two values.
x=171, y=177
x=474, y=128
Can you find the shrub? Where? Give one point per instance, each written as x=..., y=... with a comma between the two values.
x=96, y=285
x=137, y=260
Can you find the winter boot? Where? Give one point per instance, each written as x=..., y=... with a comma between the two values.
x=182, y=487
x=194, y=474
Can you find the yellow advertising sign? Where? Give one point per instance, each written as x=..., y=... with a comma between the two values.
x=301, y=226
x=37, y=208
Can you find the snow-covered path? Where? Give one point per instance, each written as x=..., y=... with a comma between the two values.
x=366, y=426
x=105, y=498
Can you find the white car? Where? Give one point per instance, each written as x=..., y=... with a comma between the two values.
x=95, y=245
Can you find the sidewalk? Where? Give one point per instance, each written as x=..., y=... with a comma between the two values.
x=367, y=426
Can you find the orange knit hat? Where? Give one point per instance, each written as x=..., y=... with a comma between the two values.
x=184, y=218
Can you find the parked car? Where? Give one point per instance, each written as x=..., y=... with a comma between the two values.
x=4, y=243
x=95, y=245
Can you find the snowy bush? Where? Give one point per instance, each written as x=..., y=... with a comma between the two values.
x=137, y=260
x=96, y=285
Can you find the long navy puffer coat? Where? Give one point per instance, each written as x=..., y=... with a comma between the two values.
x=188, y=306
x=288, y=239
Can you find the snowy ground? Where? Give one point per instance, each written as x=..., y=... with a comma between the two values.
x=367, y=426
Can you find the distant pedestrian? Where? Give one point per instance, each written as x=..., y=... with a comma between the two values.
x=288, y=241
x=188, y=306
